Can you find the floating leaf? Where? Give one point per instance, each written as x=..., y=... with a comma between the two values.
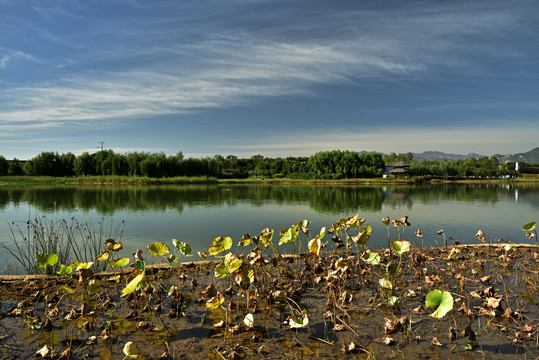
x=118, y=263
x=64, y=270
x=288, y=235
x=297, y=322
x=215, y=301
x=249, y=320
x=158, y=249
x=132, y=286
x=68, y=290
x=131, y=350
x=442, y=299
x=529, y=226
x=400, y=246
x=104, y=255
x=42, y=260
x=219, y=245
x=184, y=248
x=314, y=246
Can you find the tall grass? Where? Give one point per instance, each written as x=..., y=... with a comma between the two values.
x=70, y=239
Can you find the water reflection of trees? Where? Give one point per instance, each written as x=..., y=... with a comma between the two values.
x=107, y=200
x=324, y=199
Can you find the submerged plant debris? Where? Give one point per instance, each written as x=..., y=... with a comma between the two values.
x=336, y=300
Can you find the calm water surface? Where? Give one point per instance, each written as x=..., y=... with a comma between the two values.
x=198, y=213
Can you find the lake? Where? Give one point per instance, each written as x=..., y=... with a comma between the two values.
x=196, y=214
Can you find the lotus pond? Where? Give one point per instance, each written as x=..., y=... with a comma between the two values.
x=333, y=299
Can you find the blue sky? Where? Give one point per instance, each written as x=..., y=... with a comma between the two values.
x=276, y=78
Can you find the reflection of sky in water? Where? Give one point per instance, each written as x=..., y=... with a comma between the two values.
x=499, y=215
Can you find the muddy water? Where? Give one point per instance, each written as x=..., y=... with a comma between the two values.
x=494, y=316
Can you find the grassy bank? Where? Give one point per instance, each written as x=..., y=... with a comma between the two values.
x=141, y=180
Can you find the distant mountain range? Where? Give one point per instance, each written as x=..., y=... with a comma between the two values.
x=531, y=156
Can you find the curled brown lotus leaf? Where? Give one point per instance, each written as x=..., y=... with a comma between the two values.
x=493, y=302
x=469, y=333
x=435, y=342
x=419, y=233
x=404, y=221
x=386, y=220
x=440, y=232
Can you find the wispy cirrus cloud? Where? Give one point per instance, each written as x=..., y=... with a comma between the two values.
x=177, y=58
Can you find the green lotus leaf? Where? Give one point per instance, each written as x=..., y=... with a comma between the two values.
x=132, y=286
x=104, y=255
x=139, y=265
x=171, y=258
x=442, y=299
x=363, y=235
x=303, y=224
x=215, y=301
x=233, y=262
x=219, y=245
x=118, y=263
x=42, y=260
x=77, y=265
x=221, y=271
x=322, y=233
x=64, y=270
x=93, y=286
x=371, y=257
x=385, y=283
x=131, y=350
x=158, y=248
x=353, y=221
x=314, y=246
x=400, y=246
x=288, y=235
x=184, y=248
x=297, y=322
x=245, y=240
x=265, y=236
x=529, y=226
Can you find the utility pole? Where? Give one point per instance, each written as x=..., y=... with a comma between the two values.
x=101, y=142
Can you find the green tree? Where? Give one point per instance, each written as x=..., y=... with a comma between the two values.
x=83, y=165
x=4, y=166
x=15, y=168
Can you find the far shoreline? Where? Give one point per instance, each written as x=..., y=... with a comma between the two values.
x=139, y=180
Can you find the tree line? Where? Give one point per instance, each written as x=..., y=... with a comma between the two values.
x=335, y=164
x=326, y=165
